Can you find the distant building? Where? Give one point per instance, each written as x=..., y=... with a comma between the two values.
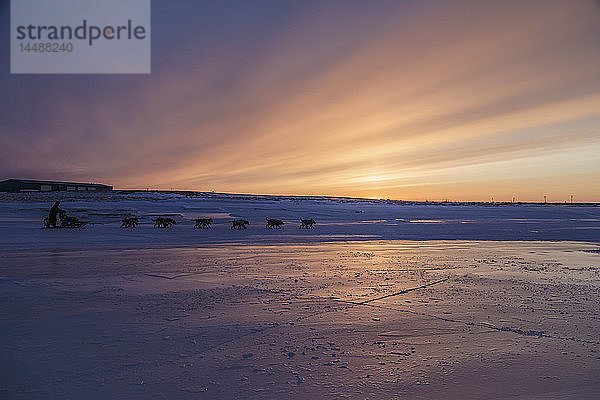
x=28, y=185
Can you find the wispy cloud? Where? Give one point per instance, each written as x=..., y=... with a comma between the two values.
x=391, y=99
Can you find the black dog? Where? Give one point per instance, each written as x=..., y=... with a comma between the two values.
x=239, y=224
x=307, y=223
x=274, y=223
x=130, y=222
x=203, y=223
x=161, y=222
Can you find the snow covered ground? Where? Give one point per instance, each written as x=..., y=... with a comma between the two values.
x=379, y=301
x=337, y=219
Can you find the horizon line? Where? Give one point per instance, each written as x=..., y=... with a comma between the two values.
x=357, y=197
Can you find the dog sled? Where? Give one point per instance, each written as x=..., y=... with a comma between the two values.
x=66, y=221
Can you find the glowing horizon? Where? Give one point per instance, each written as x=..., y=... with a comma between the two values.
x=431, y=100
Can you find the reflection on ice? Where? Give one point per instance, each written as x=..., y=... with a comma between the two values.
x=250, y=318
x=379, y=300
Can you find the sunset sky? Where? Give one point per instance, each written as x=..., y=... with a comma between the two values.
x=414, y=100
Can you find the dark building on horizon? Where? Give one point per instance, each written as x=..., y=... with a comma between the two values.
x=30, y=185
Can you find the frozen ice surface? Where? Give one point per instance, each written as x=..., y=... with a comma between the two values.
x=336, y=219
x=379, y=301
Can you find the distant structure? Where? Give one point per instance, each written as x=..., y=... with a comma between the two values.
x=29, y=185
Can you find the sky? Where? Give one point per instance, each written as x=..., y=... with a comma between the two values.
x=413, y=100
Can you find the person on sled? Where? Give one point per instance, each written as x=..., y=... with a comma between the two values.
x=53, y=214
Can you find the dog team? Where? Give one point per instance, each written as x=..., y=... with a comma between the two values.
x=163, y=222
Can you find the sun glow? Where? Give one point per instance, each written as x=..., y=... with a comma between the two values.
x=502, y=100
